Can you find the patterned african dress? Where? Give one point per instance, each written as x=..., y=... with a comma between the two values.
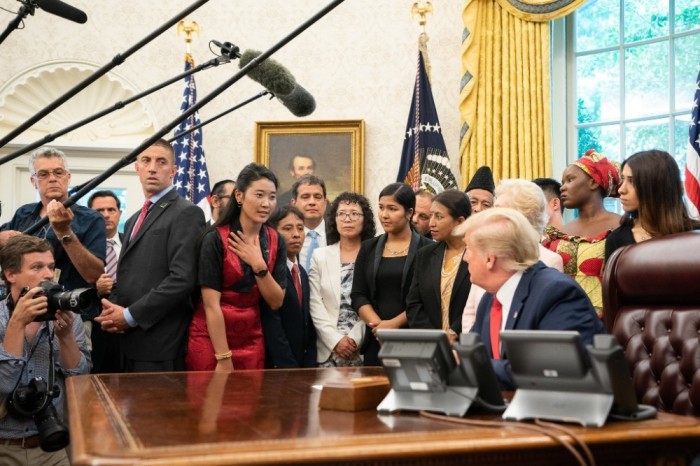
x=583, y=261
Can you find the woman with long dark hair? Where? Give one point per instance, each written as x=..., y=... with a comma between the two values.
x=437, y=303
x=384, y=268
x=651, y=195
x=339, y=329
x=242, y=260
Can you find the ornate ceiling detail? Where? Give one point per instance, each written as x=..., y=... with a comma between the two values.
x=30, y=91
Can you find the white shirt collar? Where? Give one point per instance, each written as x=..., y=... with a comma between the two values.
x=506, y=293
x=320, y=229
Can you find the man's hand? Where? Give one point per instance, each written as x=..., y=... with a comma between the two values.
x=63, y=325
x=104, y=285
x=29, y=307
x=112, y=318
x=59, y=217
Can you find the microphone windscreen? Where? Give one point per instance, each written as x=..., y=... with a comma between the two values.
x=275, y=77
x=299, y=101
x=58, y=8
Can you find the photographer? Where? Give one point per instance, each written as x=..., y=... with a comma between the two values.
x=25, y=354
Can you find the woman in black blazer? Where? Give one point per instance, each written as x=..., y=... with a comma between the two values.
x=384, y=268
x=441, y=281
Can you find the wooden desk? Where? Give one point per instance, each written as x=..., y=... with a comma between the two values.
x=272, y=417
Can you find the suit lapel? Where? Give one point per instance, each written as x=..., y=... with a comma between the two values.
x=435, y=269
x=519, y=297
x=332, y=258
x=153, y=215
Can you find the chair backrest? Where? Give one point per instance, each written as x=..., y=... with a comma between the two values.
x=651, y=296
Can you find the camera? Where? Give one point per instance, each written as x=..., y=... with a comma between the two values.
x=83, y=301
x=34, y=399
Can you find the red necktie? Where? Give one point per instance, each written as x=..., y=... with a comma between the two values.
x=495, y=330
x=297, y=281
x=142, y=217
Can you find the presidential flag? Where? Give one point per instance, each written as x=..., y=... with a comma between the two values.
x=192, y=178
x=692, y=164
x=424, y=159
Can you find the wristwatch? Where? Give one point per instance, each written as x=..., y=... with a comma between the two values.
x=67, y=239
x=261, y=274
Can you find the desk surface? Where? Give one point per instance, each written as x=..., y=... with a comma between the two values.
x=272, y=417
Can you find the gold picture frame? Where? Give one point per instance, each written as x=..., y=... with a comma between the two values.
x=336, y=146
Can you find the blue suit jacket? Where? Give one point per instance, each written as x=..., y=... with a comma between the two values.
x=545, y=299
x=290, y=335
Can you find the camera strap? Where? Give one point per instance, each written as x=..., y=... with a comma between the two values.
x=52, y=369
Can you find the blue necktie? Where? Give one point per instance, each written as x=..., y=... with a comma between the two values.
x=312, y=246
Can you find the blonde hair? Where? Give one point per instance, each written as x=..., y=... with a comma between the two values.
x=504, y=233
x=528, y=199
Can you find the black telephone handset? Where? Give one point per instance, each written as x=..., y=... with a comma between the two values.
x=609, y=365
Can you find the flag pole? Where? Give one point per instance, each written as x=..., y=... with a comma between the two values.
x=421, y=9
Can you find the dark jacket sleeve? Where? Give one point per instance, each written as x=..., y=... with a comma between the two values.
x=277, y=347
x=361, y=290
x=415, y=310
x=178, y=286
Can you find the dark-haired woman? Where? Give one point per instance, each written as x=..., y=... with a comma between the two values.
x=242, y=260
x=651, y=195
x=441, y=280
x=384, y=268
x=339, y=329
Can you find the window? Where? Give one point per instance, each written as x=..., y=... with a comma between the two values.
x=634, y=65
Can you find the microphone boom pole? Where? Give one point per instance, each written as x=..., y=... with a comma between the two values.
x=224, y=113
x=131, y=157
x=117, y=106
x=75, y=189
x=116, y=61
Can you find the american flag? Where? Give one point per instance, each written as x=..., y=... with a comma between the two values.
x=692, y=165
x=192, y=178
x=424, y=159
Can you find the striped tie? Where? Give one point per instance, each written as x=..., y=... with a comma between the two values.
x=112, y=259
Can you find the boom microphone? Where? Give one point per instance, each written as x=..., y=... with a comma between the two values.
x=275, y=77
x=58, y=8
x=278, y=80
x=299, y=101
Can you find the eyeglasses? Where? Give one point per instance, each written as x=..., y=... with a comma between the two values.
x=351, y=215
x=44, y=174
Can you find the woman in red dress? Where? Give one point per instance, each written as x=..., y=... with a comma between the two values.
x=241, y=261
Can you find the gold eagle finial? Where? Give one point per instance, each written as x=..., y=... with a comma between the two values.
x=421, y=9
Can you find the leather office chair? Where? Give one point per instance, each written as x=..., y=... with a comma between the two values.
x=651, y=296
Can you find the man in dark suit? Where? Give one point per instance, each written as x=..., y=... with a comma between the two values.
x=522, y=293
x=105, y=351
x=290, y=336
x=153, y=304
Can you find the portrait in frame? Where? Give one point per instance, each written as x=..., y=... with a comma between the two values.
x=335, y=148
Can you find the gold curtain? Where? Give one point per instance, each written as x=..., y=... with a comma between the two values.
x=505, y=94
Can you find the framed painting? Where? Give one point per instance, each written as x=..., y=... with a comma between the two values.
x=333, y=150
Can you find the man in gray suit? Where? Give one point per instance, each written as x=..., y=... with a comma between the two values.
x=153, y=303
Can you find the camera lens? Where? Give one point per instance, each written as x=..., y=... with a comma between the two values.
x=53, y=435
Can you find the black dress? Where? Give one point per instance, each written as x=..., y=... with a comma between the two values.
x=619, y=237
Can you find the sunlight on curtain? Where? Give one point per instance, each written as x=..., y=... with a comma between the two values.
x=505, y=96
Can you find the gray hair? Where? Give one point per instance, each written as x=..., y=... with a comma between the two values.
x=46, y=152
